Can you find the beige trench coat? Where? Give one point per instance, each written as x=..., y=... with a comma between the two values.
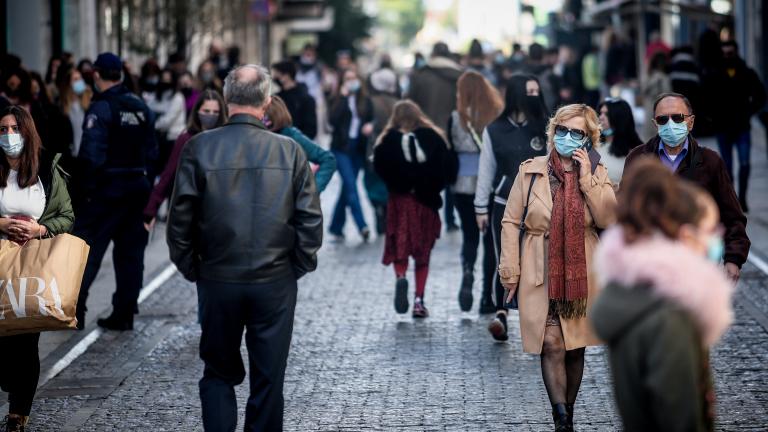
x=531, y=276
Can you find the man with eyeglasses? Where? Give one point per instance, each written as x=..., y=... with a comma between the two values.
x=679, y=151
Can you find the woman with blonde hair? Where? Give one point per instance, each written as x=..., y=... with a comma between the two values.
x=413, y=158
x=478, y=104
x=549, y=236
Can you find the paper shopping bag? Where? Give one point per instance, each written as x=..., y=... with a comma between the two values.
x=39, y=284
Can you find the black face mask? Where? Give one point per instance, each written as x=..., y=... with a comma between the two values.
x=186, y=91
x=533, y=106
x=163, y=87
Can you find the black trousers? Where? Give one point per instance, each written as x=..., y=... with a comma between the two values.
x=471, y=239
x=121, y=221
x=19, y=371
x=265, y=311
x=497, y=214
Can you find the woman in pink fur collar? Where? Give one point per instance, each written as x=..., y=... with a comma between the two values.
x=665, y=301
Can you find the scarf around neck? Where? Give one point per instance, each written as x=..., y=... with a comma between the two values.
x=567, y=279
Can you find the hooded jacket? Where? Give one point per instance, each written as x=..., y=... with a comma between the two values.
x=433, y=88
x=661, y=308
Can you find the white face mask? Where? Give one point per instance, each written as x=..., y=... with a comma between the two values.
x=12, y=144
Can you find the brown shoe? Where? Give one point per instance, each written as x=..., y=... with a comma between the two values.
x=14, y=423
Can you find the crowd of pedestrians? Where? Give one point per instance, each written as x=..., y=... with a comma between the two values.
x=583, y=225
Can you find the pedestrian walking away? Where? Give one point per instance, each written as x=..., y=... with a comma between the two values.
x=665, y=301
x=433, y=89
x=351, y=116
x=296, y=98
x=413, y=159
x=618, y=136
x=34, y=203
x=112, y=189
x=245, y=268
x=558, y=202
x=514, y=137
x=679, y=151
x=739, y=94
x=209, y=112
x=278, y=119
x=384, y=90
x=478, y=103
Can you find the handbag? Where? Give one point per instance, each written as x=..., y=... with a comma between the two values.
x=40, y=283
x=513, y=304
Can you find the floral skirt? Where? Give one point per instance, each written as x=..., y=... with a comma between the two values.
x=412, y=229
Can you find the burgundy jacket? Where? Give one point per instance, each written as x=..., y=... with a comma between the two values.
x=705, y=168
x=164, y=186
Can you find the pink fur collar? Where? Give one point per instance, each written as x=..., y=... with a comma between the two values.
x=675, y=273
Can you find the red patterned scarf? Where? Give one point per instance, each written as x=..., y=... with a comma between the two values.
x=568, y=285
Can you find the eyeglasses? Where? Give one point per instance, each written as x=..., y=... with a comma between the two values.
x=677, y=118
x=576, y=134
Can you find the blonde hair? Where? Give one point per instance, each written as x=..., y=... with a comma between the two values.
x=571, y=111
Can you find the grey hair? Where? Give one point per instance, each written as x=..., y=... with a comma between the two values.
x=244, y=89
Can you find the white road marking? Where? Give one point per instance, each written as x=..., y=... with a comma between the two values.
x=82, y=346
x=758, y=262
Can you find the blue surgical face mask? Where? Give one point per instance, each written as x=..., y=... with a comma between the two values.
x=78, y=87
x=673, y=134
x=715, y=249
x=353, y=86
x=12, y=144
x=566, y=145
x=608, y=132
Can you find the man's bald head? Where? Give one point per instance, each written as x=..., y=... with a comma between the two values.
x=248, y=85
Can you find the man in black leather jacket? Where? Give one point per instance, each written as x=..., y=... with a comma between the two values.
x=245, y=224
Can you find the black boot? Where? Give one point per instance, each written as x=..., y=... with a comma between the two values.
x=560, y=416
x=743, y=183
x=486, y=300
x=465, y=293
x=381, y=218
x=570, y=415
x=116, y=322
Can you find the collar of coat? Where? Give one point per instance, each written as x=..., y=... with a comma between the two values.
x=693, y=159
x=674, y=272
x=443, y=62
x=246, y=119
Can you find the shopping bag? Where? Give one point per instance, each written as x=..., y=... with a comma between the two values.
x=39, y=284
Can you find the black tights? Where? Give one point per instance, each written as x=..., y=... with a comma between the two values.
x=561, y=370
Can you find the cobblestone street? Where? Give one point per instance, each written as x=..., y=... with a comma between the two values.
x=356, y=365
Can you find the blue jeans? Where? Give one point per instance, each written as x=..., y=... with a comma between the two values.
x=743, y=144
x=348, y=164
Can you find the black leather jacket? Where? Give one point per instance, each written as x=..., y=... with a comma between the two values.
x=245, y=207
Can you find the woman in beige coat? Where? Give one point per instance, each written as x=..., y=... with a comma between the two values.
x=571, y=197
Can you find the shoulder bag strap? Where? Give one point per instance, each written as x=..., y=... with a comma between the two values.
x=525, y=214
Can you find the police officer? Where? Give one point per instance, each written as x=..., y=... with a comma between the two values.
x=113, y=186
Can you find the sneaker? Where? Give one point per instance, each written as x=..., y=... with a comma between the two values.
x=366, y=234
x=113, y=322
x=337, y=238
x=452, y=227
x=498, y=327
x=465, y=293
x=401, y=296
x=13, y=423
x=487, y=306
x=419, y=310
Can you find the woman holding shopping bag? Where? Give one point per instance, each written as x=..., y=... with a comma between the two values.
x=34, y=203
x=558, y=201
